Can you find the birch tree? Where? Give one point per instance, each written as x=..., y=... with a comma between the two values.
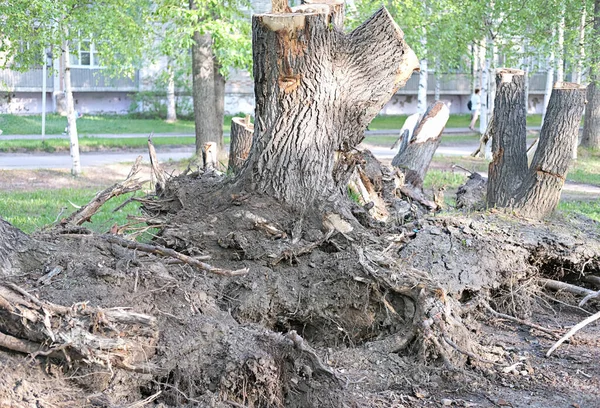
x=118, y=29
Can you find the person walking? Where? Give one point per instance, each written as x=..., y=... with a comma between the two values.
x=475, y=108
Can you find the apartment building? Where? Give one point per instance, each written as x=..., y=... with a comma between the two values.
x=96, y=92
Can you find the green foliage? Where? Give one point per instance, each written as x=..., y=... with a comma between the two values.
x=354, y=196
x=118, y=28
x=439, y=178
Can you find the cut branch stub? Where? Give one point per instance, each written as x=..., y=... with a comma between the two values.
x=316, y=91
x=540, y=192
x=241, y=143
x=414, y=157
x=508, y=132
x=336, y=9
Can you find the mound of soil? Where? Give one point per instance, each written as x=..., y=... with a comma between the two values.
x=331, y=313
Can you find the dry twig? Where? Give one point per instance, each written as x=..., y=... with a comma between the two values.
x=572, y=332
x=519, y=321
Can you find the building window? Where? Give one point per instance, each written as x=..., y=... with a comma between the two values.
x=84, y=54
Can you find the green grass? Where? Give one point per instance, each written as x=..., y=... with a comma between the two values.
x=94, y=124
x=30, y=211
x=396, y=121
x=440, y=178
x=586, y=168
x=590, y=209
x=120, y=124
x=92, y=144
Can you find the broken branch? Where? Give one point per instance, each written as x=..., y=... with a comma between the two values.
x=572, y=332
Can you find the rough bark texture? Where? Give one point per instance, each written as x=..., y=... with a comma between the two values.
x=336, y=10
x=12, y=241
x=205, y=114
x=316, y=91
x=241, y=143
x=219, y=104
x=539, y=193
x=591, y=127
x=71, y=116
x=509, y=132
x=414, y=157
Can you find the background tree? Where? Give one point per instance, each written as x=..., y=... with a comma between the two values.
x=591, y=128
x=218, y=35
x=118, y=29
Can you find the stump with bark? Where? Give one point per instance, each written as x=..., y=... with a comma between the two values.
x=414, y=156
x=240, y=144
x=317, y=89
x=532, y=192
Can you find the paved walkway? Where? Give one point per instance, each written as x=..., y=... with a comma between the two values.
x=379, y=132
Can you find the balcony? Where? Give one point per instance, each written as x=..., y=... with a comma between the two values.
x=29, y=81
x=94, y=80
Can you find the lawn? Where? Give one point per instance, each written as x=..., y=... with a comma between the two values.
x=31, y=211
x=121, y=124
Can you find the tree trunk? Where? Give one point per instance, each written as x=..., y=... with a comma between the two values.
x=560, y=55
x=171, y=110
x=438, y=82
x=307, y=113
x=423, y=77
x=71, y=116
x=240, y=144
x=12, y=241
x=549, y=83
x=205, y=114
x=219, y=103
x=414, y=157
x=579, y=71
x=508, y=134
x=539, y=193
x=591, y=127
x=483, y=95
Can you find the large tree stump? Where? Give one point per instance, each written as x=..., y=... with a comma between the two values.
x=413, y=157
x=12, y=242
x=540, y=192
x=317, y=89
x=240, y=144
x=509, y=132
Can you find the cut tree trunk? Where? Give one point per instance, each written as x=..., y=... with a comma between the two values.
x=508, y=132
x=307, y=113
x=71, y=116
x=241, y=143
x=203, y=90
x=414, y=157
x=539, y=193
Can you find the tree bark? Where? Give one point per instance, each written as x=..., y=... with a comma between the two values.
x=12, y=241
x=316, y=91
x=414, y=157
x=71, y=116
x=539, y=193
x=240, y=144
x=205, y=114
x=591, y=127
x=171, y=106
x=508, y=134
x=219, y=103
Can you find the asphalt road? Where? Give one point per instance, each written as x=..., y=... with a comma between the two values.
x=12, y=161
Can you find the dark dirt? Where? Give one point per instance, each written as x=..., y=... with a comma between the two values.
x=354, y=296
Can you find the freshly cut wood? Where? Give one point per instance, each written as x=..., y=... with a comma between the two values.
x=306, y=112
x=336, y=8
x=241, y=143
x=79, y=333
x=509, y=164
x=157, y=171
x=540, y=191
x=86, y=212
x=414, y=157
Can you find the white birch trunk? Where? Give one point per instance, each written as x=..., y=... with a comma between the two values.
x=171, y=106
x=438, y=82
x=71, y=116
x=485, y=64
x=549, y=83
x=422, y=92
x=578, y=77
x=560, y=58
x=475, y=68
